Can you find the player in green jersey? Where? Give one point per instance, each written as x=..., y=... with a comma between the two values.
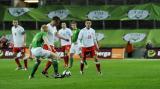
x=75, y=48
x=39, y=39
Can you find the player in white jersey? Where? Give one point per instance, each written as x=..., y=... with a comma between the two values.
x=88, y=42
x=75, y=48
x=52, y=34
x=19, y=40
x=66, y=32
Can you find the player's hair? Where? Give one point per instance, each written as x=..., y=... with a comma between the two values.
x=88, y=20
x=73, y=22
x=15, y=20
x=43, y=27
x=56, y=18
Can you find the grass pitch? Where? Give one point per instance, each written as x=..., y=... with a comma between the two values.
x=117, y=74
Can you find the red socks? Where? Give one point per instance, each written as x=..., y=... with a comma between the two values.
x=48, y=64
x=18, y=62
x=82, y=66
x=25, y=63
x=98, y=66
x=66, y=60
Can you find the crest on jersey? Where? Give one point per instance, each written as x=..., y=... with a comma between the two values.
x=62, y=14
x=138, y=14
x=18, y=11
x=134, y=37
x=98, y=15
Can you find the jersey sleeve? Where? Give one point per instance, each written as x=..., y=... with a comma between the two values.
x=94, y=36
x=22, y=30
x=80, y=38
x=44, y=34
x=70, y=32
x=59, y=32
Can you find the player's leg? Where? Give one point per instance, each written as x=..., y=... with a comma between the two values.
x=54, y=57
x=25, y=63
x=49, y=62
x=37, y=52
x=35, y=67
x=82, y=60
x=17, y=57
x=25, y=58
x=71, y=60
x=98, y=66
x=47, y=66
x=66, y=56
x=72, y=52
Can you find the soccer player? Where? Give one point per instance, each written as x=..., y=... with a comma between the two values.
x=66, y=32
x=19, y=40
x=39, y=39
x=51, y=35
x=75, y=48
x=88, y=42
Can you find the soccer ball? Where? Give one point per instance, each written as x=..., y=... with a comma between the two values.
x=67, y=73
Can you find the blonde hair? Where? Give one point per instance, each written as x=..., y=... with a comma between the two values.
x=44, y=28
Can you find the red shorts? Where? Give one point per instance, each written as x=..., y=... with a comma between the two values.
x=19, y=49
x=45, y=46
x=66, y=48
x=90, y=50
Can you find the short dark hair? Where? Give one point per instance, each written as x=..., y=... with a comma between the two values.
x=73, y=22
x=88, y=20
x=56, y=18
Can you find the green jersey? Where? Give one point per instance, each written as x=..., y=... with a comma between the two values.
x=38, y=39
x=75, y=35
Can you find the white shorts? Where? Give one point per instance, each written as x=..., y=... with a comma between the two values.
x=75, y=48
x=40, y=52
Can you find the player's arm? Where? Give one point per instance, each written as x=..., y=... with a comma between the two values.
x=95, y=40
x=46, y=42
x=61, y=37
x=24, y=34
x=79, y=38
x=30, y=53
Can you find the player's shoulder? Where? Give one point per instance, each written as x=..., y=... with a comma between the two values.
x=68, y=29
x=83, y=29
x=92, y=29
x=19, y=26
x=60, y=30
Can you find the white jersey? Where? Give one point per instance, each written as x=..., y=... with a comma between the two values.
x=66, y=33
x=52, y=30
x=86, y=37
x=18, y=36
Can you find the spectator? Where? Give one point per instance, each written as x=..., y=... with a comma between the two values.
x=3, y=41
x=129, y=49
x=149, y=45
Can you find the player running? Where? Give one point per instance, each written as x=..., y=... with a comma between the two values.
x=19, y=40
x=75, y=48
x=51, y=36
x=88, y=42
x=66, y=32
x=39, y=39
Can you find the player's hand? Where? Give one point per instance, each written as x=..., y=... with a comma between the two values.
x=97, y=48
x=49, y=48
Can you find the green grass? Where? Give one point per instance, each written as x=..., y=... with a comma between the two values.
x=117, y=74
